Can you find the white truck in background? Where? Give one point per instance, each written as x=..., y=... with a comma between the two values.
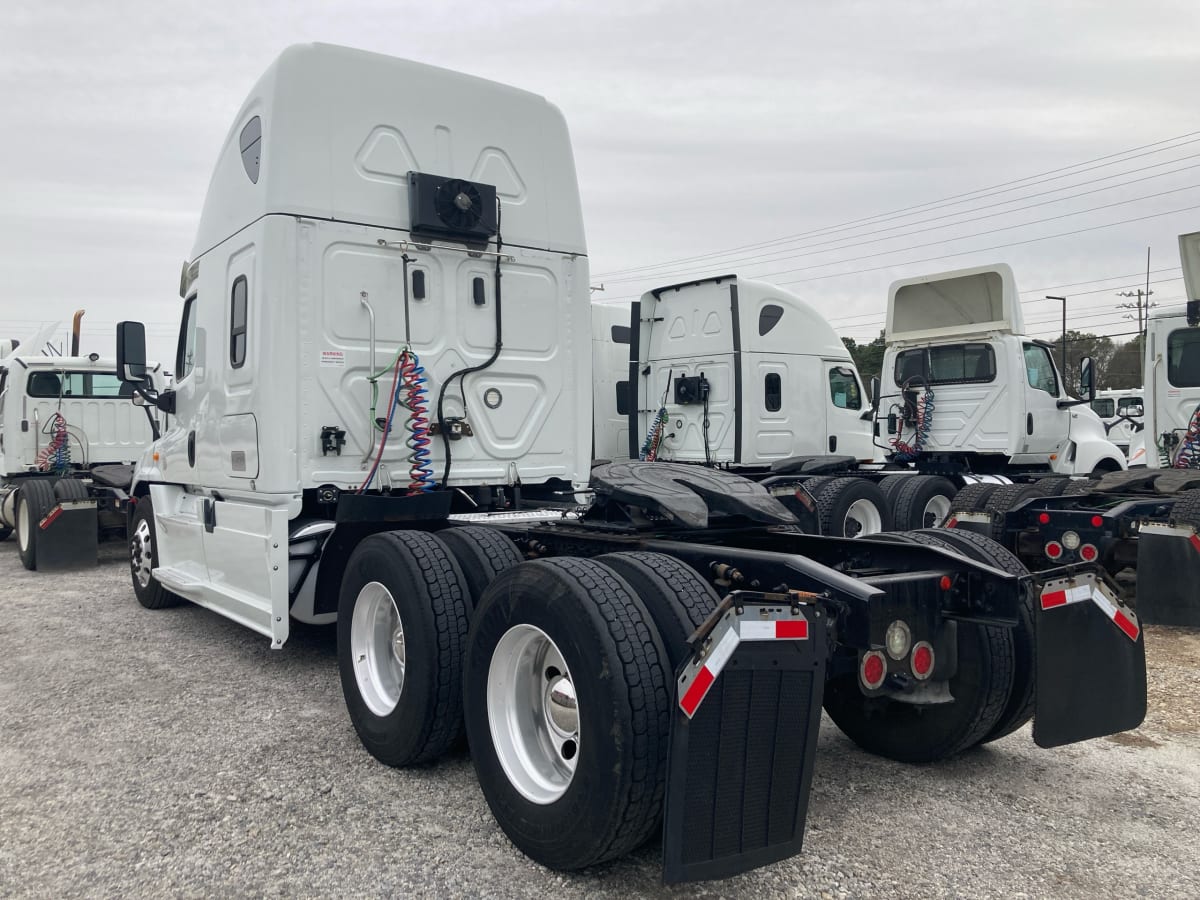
x=967, y=396
x=1122, y=414
x=966, y=399
x=68, y=439
x=381, y=416
x=742, y=375
x=730, y=372
x=1170, y=437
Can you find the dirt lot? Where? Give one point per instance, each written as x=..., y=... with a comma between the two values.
x=175, y=753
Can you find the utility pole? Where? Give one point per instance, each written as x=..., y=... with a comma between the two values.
x=1139, y=293
x=1064, y=335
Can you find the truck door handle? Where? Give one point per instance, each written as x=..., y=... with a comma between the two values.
x=832, y=443
x=192, y=449
x=1029, y=424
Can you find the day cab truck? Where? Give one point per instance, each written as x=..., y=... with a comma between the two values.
x=68, y=439
x=382, y=417
x=1144, y=522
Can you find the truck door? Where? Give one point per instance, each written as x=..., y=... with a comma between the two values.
x=1046, y=427
x=848, y=433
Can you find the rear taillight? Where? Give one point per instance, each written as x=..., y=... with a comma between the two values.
x=1043, y=518
x=1054, y=550
x=922, y=660
x=1088, y=553
x=873, y=669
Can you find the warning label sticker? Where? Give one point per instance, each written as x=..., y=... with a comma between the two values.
x=333, y=358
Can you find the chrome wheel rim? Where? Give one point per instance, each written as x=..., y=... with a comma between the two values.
x=140, y=553
x=377, y=645
x=935, y=511
x=862, y=517
x=22, y=523
x=533, y=714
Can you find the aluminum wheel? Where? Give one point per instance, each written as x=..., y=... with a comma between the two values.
x=141, y=552
x=936, y=511
x=377, y=645
x=22, y=523
x=862, y=518
x=533, y=714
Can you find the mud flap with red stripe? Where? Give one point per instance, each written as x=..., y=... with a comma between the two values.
x=743, y=738
x=67, y=536
x=1091, y=662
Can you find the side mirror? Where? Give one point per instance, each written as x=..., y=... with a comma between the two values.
x=1087, y=378
x=131, y=352
x=875, y=393
x=1193, y=312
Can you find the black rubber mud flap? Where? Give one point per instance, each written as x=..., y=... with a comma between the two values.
x=1168, y=567
x=1091, y=662
x=67, y=537
x=743, y=738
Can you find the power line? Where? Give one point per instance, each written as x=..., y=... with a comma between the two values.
x=899, y=213
x=786, y=253
x=1047, y=237
x=945, y=240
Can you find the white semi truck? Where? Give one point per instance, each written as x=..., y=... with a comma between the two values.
x=382, y=415
x=68, y=439
x=1145, y=520
x=737, y=374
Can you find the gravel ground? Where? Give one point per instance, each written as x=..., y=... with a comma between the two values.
x=172, y=752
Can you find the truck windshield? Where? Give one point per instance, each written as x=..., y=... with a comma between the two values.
x=73, y=384
x=947, y=364
x=1183, y=357
x=1105, y=407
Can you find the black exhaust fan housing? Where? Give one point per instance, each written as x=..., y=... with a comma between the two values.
x=452, y=208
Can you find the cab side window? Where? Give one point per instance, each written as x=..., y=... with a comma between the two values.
x=185, y=354
x=1039, y=369
x=844, y=389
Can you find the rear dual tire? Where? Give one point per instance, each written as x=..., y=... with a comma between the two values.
x=852, y=507
x=570, y=786
x=401, y=635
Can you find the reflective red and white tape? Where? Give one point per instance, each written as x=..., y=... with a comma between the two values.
x=50, y=517
x=1120, y=614
x=742, y=630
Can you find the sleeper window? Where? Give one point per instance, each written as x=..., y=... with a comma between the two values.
x=237, y=323
x=773, y=392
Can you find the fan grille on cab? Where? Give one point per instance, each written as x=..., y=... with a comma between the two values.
x=451, y=208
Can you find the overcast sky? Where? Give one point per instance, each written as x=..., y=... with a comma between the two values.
x=698, y=127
